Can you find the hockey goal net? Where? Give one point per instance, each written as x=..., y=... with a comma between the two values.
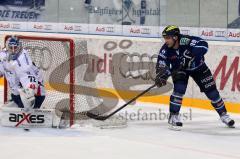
x=63, y=69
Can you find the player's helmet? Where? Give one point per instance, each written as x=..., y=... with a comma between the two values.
x=171, y=30
x=13, y=45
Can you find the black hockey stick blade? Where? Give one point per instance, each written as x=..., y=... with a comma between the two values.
x=95, y=116
x=100, y=117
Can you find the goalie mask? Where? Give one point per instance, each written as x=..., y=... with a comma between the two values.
x=13, y=47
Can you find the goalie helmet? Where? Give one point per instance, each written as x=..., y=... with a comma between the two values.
x=13, y=47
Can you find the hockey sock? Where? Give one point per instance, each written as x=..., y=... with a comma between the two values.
x=217, y=102
x=175, y=103
x=219, y=106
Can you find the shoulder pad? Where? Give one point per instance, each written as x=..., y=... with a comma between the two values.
x=24, y=50
x=185, y=41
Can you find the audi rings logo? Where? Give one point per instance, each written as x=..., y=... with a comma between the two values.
x=185, y=32
x=16, y=26
x=110, y=29
x=146, y=31
x=138, y=66
x=220, y=33
x=48, y=27
x=78, y=28
x=133, y=65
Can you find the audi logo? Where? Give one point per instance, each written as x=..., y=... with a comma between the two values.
x=220, y=33
x=146, y=31
x=110, y=29
x=185, y=32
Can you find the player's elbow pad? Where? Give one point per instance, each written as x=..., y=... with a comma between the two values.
x=200, y=49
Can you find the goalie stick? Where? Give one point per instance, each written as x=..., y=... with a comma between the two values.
x=99, y=117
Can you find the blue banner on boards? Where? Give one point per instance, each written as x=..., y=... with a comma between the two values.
x=23, y=3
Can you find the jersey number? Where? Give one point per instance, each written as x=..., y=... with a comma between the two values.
x=32, y=78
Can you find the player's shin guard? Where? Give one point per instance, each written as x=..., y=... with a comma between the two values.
x=219, y=106
x=175, y=106
x=216, y=101
x=221, y=109
x=175, y=102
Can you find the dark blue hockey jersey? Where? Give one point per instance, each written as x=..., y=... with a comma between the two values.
x=188, y=45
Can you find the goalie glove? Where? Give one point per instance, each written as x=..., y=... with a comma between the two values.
x=28, y=96
x=29, y=93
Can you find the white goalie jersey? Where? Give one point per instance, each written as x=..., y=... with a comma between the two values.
x=13, y=81
x=21, y=73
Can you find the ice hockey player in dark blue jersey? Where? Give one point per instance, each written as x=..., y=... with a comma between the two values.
x=182, y=57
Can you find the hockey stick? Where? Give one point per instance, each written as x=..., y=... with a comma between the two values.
x=99, y=117
x=102, y=118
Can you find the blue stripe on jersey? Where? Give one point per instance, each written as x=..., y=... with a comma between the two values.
x=26, y=59
x=19, y=64
x=201, y=47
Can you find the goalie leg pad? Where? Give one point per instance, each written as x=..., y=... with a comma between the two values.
x=38, y=101
x=17, y=99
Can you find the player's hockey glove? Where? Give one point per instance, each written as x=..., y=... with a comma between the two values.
x=162, y=76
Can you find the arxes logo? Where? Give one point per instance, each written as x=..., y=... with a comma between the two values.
x=20, y=118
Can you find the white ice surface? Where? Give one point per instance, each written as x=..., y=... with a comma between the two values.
x=203, y=137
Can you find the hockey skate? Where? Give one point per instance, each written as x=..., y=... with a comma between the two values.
x=227, y=120
x=175, y=122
